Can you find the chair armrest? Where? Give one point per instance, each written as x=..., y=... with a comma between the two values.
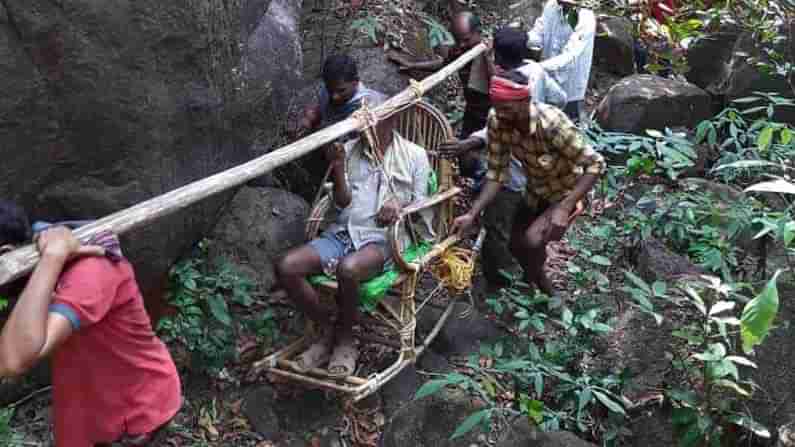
x=394, y=231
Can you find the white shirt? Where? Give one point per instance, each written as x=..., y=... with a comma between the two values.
x=406, y=167
x=566, y=53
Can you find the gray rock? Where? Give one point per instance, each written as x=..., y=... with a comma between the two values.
x=708, y=58
x=431, y=421
x=744, y=78
x=274, y=417
x=258, y=226
x=521, y=434
x=431, y=362
x=656, y=262
x=400, y=390
x=613, y=46
x=459, y=336
x=642, y=102
x=378, y=73
x=110, y=104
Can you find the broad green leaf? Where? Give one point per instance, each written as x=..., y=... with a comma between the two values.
x=786, y=136
x=723, y=368
x=721, y=306
x=430, y=387
x=733, y=386
x=694, y=339
x=686, y=396
x=683, y=415
x=611, y=404
x=470, y=423
x=779, y=186
x=641, y=284
x=741, y=361
x=513, y=365
x=535, y=411
x=584, y=399
x=765, y=138
x=219, y=310
x=659, y=288
x=601, y=260
x=692, y=436
x=758, y=315
x=748, y=423
x=715, y=352
x=745, y=164
x=747, y=100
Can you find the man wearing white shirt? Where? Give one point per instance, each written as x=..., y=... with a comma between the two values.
x=565, y=34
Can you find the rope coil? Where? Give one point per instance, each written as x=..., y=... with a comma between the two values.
x=455, y=269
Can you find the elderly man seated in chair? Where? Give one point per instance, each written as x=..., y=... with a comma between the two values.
x=374, y=179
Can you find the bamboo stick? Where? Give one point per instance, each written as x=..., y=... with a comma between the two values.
x=19, y=262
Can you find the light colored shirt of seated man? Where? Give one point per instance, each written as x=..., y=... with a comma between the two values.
x=566, y=52
x=403, y=174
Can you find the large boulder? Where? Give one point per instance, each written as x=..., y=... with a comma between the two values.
x=744, y=78
x=112, y=103
x=643, y=102
x=521, y=434
x=459, y=336
x=708, y=58
x=614, y=46
x=431, y=421
x=257, y=227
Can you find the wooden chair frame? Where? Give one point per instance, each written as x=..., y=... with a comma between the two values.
x=426, y=126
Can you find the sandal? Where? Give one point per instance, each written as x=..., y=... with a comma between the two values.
x=317, y=354
x=343, y=361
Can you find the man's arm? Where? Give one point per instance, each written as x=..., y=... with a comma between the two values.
x=535, y=37
x=572, y=145
x=31, y=331
x=499, y=158
x=553, y=92
x=342, y=191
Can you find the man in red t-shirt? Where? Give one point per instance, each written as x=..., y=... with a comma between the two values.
x=113, y=379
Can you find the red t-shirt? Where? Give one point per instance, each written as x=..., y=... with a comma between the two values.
x=112, y=376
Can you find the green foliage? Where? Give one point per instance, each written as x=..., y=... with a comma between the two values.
x=548, y=384
x=758, y=315
x=3, y=303
x=438, y=35
x=7, y=434
x=667, y=154
x=713, y=402
x=369, y=26
x=201, y=293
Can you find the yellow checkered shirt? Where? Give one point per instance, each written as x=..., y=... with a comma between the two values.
x=554, y=154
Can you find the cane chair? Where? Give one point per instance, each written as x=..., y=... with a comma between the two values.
x=427, y=127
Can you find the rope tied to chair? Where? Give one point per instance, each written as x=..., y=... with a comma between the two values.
x=407, y=333
x=455, y=269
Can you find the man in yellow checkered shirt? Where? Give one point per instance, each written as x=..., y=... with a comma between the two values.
x=561, y=169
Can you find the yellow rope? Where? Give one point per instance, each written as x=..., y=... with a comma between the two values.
x=455, y=269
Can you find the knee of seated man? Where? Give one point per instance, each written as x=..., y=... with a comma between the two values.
x=288, y=265
x=349, y=270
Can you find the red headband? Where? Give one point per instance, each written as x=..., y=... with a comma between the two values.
x=502, y=89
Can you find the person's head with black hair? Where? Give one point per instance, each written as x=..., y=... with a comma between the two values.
x=341, y=77
x=466, y=29
x=14, y=226
x=510, y=48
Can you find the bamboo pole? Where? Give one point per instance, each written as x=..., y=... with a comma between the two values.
x=20, y=262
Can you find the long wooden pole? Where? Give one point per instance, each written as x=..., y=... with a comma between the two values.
x=20, y=262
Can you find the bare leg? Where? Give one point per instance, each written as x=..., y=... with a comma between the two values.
x=355, y=268
x=352, y=270
x=531, y=246
x=292, y=271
